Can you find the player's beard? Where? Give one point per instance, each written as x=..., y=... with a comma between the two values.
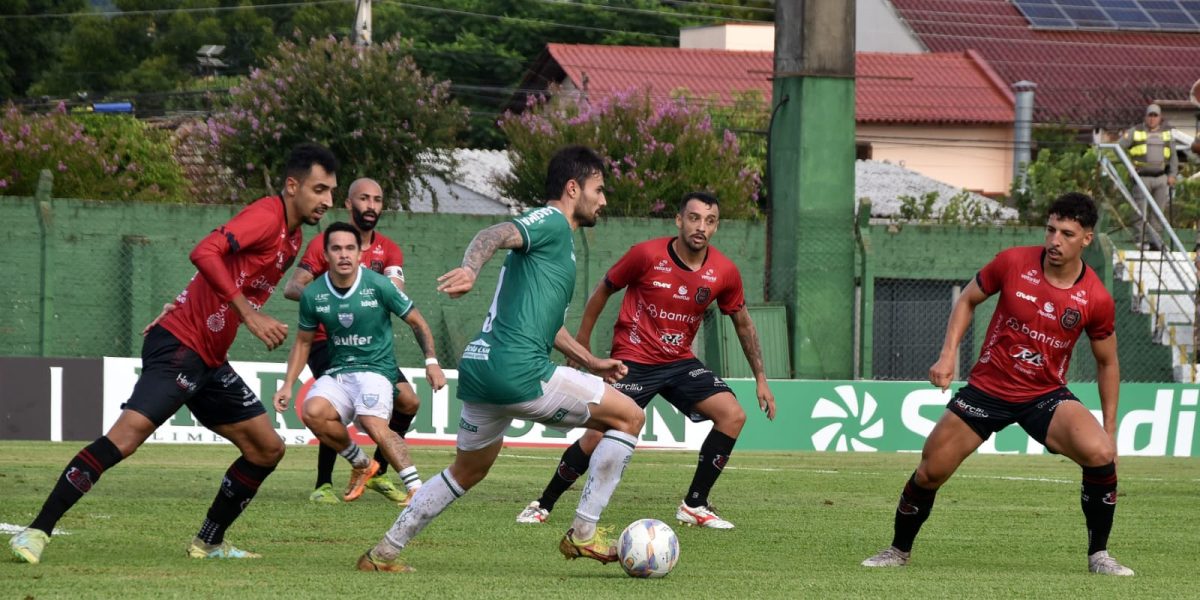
x=362, y=224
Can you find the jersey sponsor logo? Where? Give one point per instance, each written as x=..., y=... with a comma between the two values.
x=702, y=295
x=477, y=350
x=661, y=285
x=370, y=304
x=681, y=293
x=1079, y=297
x=323, y=309
x=1024, y=296
x=628, y=387
x=671, y=338
x=1035, y=335
x=1070, y=318
x=558, y=416
x=346, y=319
x=367, y=292
x=80, y=479
x=1047, y=311
x=322, y=297
x=698, y=372
x=370, y=400
x=1028, y=356
x=1110, y=498
x=667, y=315
x=709, y=276
x=352, y=340
x=228, y=378
x=1031, y=276
x=464, y=425
x=216, y=321
x=535, y=216
x=663, y=266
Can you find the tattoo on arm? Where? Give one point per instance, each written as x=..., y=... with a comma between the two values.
x=486, y=242
x=748, y=336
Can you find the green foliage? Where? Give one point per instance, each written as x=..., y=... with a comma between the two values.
x=372, y=107
x=99, y=157
x=29, y=47
x=1074, y=168
x=656, y=150
x=960, y=209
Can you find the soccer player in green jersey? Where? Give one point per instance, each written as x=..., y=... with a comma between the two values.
x=355, y=305
x=506, y=373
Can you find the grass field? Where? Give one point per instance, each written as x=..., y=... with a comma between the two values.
x=1006, y=526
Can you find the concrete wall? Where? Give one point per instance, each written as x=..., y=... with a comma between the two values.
x=731, y=36
x=880, y=29
x=974, y=158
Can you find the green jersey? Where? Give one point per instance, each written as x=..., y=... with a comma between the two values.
x=510, y=357
x=359, y=323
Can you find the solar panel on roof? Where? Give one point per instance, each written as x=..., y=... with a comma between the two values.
x=1140, y=15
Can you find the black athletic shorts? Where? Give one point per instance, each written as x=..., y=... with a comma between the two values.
x=987, y=414
x=683, y=383
x=174, y=375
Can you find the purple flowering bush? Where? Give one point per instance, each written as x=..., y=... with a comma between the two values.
x=655, y=149
x=372, y=107
x=100, y=157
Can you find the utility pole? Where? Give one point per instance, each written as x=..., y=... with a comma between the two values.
x=811, y=237
x=362, y=23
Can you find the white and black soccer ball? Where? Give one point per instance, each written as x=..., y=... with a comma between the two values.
x=648, y=548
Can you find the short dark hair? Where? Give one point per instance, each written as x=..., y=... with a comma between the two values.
x=705, y=197
x=341, y=226
x=304, y=156
x=571, y=163
x=1077, y=206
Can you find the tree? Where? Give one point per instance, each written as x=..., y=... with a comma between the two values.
x=655, y=151
x=372, y=107
x=28, y=47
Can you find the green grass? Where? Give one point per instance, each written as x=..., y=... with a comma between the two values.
x=804, y=521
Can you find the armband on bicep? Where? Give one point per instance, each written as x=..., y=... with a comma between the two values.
x=394, y=271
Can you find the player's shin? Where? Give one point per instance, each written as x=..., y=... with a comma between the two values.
x=238, y=488
x=1099, y=500
x=77, y=479
x=914, y=507
x=714, y=453
x=574, y=463
x=608, y=464
x=434, y=496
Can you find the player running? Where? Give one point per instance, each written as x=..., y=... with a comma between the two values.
x=506, y=373
x=354, y=305
x=184, y=358
x=671, y=282
x=365, y=202
x=1048, y=296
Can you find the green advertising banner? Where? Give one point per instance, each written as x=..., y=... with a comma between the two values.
x=896, y=416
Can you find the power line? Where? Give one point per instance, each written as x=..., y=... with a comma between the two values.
x=721, y=6
x=165, y=11
x=640, y=11
x=527, y=21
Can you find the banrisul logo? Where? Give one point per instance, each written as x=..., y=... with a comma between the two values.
x=851, y=422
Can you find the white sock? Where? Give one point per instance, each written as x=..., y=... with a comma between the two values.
x=358, y=459
x=439, y=492
x=410, y=478
x=607, y=465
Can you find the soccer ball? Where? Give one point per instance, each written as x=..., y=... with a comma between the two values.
x=648, y=548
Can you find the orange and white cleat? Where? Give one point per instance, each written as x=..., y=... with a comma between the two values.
x=358, y=481
x=701, y=516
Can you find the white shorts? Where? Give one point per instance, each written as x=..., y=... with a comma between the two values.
x=564, y=404
x=355, y=394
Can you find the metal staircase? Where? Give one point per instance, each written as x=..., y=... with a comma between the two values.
x=1164, y=283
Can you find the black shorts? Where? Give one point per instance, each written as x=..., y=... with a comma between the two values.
x=318, y=362
x=987, y=414
x=683, y=383
x=173, y=375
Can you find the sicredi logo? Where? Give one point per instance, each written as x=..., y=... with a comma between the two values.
x=851, y=424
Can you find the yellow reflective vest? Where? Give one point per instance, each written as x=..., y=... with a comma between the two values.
x=1137, y=151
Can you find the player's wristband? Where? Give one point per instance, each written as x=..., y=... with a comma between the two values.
x=431, y=361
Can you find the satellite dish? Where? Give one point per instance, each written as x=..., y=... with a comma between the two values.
x=1194, y=95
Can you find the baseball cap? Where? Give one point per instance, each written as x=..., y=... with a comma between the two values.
x=1153, y=109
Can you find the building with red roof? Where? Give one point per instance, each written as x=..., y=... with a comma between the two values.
x=946, y=115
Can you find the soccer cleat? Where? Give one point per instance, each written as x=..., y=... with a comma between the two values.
x=358, y=481
x=408, y=498
x=199, y=549
x=599, y=547
x=324, y=495
x=1104, y=564
x=368, y=562
x=27, y=546
x=701, y=516
x=383, y=485
x=890, y=557
x=533, y=514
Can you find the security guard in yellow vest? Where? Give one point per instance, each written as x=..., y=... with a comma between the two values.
x=1149, y=146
